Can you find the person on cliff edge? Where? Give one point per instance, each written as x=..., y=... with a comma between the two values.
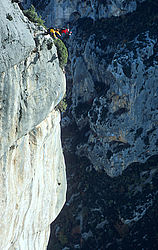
x=53, y=32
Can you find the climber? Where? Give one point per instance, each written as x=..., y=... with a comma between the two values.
x=65, y=31
x=53, y=32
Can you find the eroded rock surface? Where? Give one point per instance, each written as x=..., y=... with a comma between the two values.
x=123, y=116
x=32, y=166
x=33, y=186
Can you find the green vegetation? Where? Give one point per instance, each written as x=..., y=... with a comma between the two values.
x=61, y=48
x=33, y=16
x=62, y=105
x=62, y=52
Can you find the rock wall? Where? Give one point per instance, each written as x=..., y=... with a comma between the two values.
x=114, y=92
x=119, y=106
x=110, y=134
x=60, y=12
x=32, y=167
x=33, y=186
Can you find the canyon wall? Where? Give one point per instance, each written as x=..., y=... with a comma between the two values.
x=32, y=166
x=110, y=132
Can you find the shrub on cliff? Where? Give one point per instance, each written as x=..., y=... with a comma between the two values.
x=62, y=105
x=33, y=16
x=62, y=52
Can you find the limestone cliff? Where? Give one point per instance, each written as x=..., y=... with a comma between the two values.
x=110, y=133
x=32, y=167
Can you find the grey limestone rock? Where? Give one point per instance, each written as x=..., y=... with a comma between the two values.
x=32, y=167
x=32, y=84
x=123, y=117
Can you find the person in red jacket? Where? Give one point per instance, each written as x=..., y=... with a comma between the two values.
x=65, y=31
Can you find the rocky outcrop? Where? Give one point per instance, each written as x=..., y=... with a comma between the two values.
x=33, y=181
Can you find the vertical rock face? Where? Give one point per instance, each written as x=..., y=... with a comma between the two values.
x=32, y=186
x=32, y=167
x=111, y=127
x=114, y=95
x=123, y=113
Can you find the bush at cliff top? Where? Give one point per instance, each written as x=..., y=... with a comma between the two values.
x=62, y=52
x=33, y=16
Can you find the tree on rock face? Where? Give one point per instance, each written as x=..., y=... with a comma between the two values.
x=62, y=52
x=33, y=16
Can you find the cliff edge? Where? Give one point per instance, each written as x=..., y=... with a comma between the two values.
x=32, y=167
